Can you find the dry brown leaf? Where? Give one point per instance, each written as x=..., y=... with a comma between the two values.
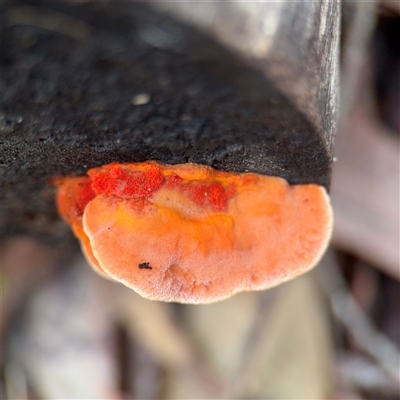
x=24, y=264
x=293, y=358
x=220, y=330
x=365, y=192
x=152, y=325
x=66, y=346
x=185, y=383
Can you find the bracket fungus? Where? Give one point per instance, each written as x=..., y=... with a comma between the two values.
x=190, y=234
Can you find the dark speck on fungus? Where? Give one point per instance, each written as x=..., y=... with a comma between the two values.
x=145, y=265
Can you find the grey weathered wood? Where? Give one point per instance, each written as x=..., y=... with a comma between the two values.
x=294, y=44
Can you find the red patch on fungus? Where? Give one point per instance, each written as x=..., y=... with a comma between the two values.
x=190, y=234
x=121, y=181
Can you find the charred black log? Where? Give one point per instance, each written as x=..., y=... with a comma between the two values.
x=252, y=89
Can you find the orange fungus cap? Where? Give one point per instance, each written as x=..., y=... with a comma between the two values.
x=191, y=234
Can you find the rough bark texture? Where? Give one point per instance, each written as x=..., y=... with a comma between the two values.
x=70, y=72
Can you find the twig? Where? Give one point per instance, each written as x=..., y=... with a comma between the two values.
x=360, y=327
